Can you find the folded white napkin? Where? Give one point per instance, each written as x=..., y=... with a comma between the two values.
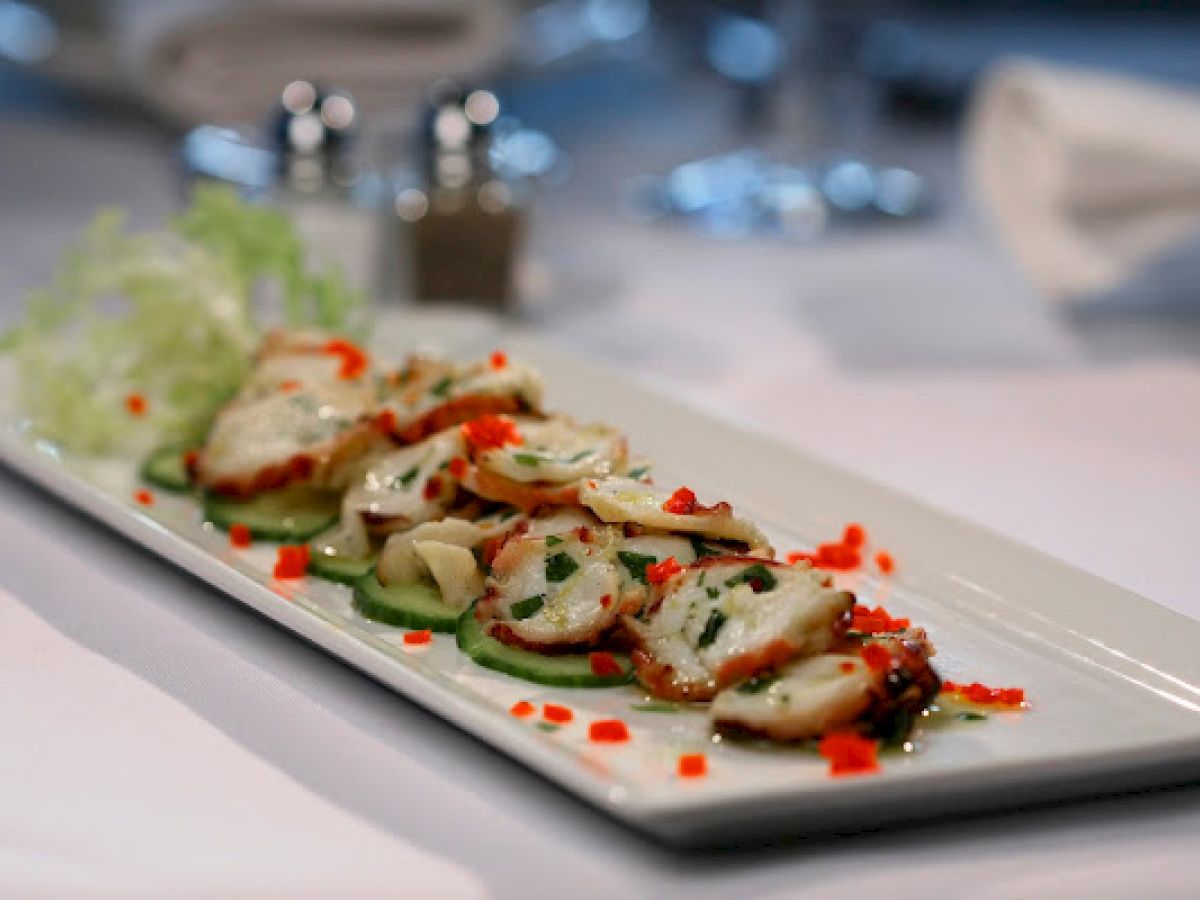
x=1089, y=178
x=227, y=61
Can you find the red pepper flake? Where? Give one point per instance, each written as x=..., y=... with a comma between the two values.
x=657, y=573
x=692, y=765
x=838, y=556
x=986, y=696
x=458, y=468
x=604, y=664
x=135, y=404
x=385, y=422
x=290, y=386
x=291, y=561
x=877, y=657
x=854, y=535
x=876, y=621
x=885, y=562
x=499, y=360
x=849, y=753
x=354, y=359
x=608, y=731
x=681, y=503
x=144, y=497
x=559, y=715
x=606, y=601
x=433, y=488
x=584, y=534
x=491, y=432
x=797, y=555
x=522, y=709
x=847, y=667
x=239, y=536
x=418, y=638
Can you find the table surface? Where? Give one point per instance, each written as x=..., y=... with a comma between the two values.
x=164, y=740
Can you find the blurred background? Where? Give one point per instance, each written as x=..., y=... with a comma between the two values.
x=951, y=244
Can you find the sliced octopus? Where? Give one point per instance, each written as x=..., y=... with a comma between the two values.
x=725, y=619
x=623, y=499
x=430, y=395
x=833, y=692
x=554, y=592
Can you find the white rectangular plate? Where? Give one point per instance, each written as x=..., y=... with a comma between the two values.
x=1112, y=678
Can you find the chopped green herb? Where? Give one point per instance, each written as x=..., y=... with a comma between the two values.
x=527, y=459
x=702, y=549
x=547, y=726
x=757, y=685
x=442, y=387
x=639, y=472
x=553, y=540
x=508, y=514
x=716, y=620
x=656, y=706
x=407, y=478
x=523, y=609
x=758, y=576
x=578, y=456
x=559, y=567
x=713, y=593
x=971, y=717
x=636, y=564
x=700, y=580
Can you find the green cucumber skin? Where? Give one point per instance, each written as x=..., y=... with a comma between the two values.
x=267, y=524
x=339, y=568
x=164, y=469
x=571, y=671
x=405, y=606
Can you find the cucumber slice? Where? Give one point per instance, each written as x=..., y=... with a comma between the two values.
x=567, y=670
x=405, y=605
x=284, y=516
x=164, y=468
x=342, y=569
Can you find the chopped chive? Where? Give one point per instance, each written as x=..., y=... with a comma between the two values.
x=716, y=620
x=407, y=478
x=547, y=726
x=553, y=540
x=578, y=456
x=442, y=387
x=656, y=706
x=713, y=593
x=636, y=563
x=757, y=685
x=527, y=459
x=700, y=548
x=971, y=717
x=523, y=609
x=639, y=472
x=559, y=567
x=757, y=576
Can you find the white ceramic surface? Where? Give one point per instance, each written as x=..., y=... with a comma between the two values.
x=1112, y=678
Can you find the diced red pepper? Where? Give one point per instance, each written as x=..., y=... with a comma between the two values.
x=681, y=503
x=522, y=709
x=608, y=731
x=145, y=498
x=491, y=432
x=433, y=488
x=239, y=536
x=291, y=561
x=876, y=621
x=657, y=573
x=849, y=753
x=135, y=404
x=354, y=359
x=499, y=360
x=559, y=715
x=877, y=657
x=458, y=468
x=847, y=667
x=604, y=664
x=885, y=562
x=417, y=638
x=385, y=421
x=692, y=765
x=291, y=385
x=854, y=535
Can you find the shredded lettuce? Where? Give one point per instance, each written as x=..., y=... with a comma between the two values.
x=173, y=316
